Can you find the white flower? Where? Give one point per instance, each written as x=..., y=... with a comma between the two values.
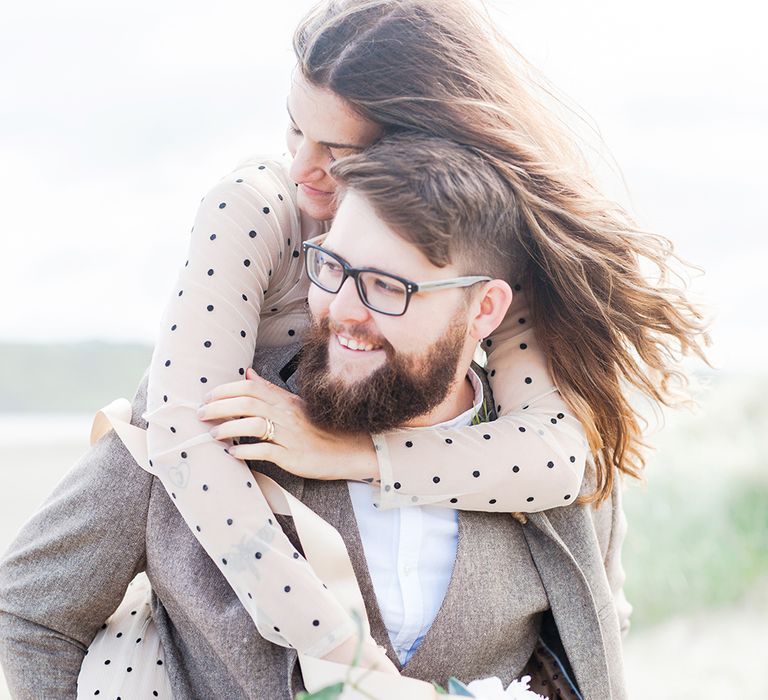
x=492, y=689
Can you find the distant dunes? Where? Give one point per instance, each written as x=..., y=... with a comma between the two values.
x=68, y=378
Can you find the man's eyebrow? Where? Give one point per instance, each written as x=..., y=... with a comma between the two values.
x=331, y=144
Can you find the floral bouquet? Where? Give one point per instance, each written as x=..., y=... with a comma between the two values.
x=485, y=689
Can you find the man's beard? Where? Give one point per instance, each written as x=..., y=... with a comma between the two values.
x=403, y=388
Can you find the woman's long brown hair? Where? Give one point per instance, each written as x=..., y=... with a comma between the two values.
x=438, y=66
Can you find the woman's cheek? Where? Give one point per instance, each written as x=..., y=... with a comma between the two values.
x=292, y=140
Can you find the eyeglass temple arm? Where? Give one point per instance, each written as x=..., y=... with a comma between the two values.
x=447, y=284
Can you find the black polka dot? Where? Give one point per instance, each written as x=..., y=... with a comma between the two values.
x=247, y=262
x=493, y=372
x=448, y=441
x=515, y=469
x=204, y=380
x=242, y=334
x=498, y=408
x=567, y=496
x=222, y=205
x=492, y=501
x=287, y=589
x=295, y=555
x=205, y=487
x=129, y=669
x=528, y=380
x=489, y=342
x=119, y=634
x=409, y=444
x=173, y=495
x=265, y=210
x=97, y=692
x=258, y=555
x=553, y=421
x=523, y=346
x=454, y=500
x=261, y=167
x=250, y=596
x=155, y=693
x=213, y=236
x=316, y=623
x=165, y=398
x=167, y=363
x=521, y=320
x=397, y=484
x=476, y=473
x=249, y=484
x=207, y=343
x=295, y=253
x=241, y=371
x=159, y=662
x=529, y=499
x=224, y=561
x=486, y=437
x=138, y=640
x=239, y=179
x=183, y=455
x=173, y=327
x=550, y=464
x=229, y=521
x=209, y=307
x=572, y=458
x=280, y=197
x=525, y=407
x=107, y=662
x=521, y=429
x=197, y=527
x=181, y=291
x=245, y=298
x=252, y=234
x=150, y=462
x=436, y=479
x=291, y=332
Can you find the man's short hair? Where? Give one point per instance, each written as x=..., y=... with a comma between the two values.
x=445, y=198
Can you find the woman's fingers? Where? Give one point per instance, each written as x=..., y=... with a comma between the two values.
x=234, y=408
x=244, y=427
x=268, y=391
x=261, y=451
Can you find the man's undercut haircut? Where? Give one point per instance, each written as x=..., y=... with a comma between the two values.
x=444, y=198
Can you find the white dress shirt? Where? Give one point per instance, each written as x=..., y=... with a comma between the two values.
x=410, y=553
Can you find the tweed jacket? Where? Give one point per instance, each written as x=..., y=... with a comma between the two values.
x=69, y=567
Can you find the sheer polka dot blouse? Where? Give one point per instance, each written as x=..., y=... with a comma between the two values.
x=243, y=282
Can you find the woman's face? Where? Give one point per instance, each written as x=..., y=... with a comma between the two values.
x=322, y=128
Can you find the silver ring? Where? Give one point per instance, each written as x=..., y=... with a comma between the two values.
x=269, y=433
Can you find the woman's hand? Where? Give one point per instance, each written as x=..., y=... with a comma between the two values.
x=298, y=446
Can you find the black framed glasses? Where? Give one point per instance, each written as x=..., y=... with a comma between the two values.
x=379, y=291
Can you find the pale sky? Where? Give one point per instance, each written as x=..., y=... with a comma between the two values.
x=115, y=118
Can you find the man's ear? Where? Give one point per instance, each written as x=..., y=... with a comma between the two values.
x=489, y=307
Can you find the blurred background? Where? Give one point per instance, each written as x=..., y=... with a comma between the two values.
x=116, y=118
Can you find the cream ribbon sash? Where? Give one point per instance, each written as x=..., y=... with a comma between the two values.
x=325, y=551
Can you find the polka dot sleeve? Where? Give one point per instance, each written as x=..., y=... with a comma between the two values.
x=242, y=266
x=532, y=458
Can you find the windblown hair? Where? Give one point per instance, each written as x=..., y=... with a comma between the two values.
x=438, y=67
x=449, y=201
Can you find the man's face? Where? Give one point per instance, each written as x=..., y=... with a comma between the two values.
x=363, y=370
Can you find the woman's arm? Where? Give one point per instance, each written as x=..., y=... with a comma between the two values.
x=241, y=251
x=532, y=458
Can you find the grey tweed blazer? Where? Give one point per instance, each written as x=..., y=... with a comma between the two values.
x=69, y=567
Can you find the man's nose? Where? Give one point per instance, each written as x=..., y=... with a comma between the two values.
x=347, y=306
x=308, y=163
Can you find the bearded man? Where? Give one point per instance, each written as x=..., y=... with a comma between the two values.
x=398, y=309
